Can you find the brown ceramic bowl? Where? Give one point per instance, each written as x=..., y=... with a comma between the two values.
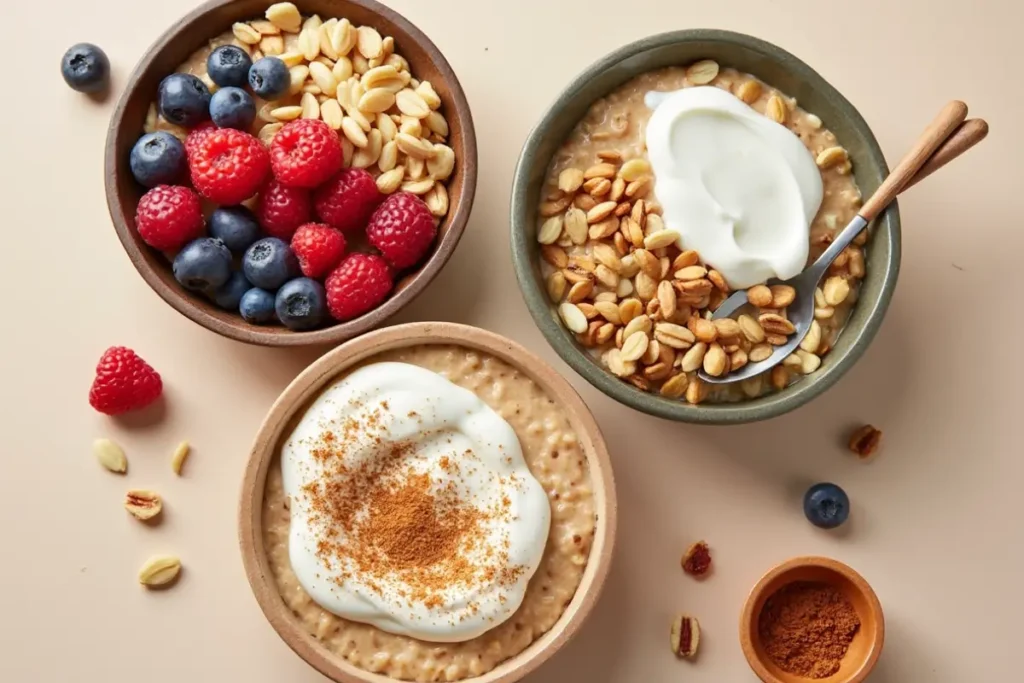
x=191, y=33
x=328, y=368
x=860, y=659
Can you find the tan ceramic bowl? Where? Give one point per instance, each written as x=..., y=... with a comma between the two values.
x=174, y=47
x=860, y=659
x=331, y=366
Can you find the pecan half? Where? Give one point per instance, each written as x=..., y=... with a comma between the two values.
x=685, y=636
x=865, y=441
x=697, y=559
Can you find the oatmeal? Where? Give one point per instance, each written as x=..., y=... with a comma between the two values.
x=555, y=459
x=641, y=302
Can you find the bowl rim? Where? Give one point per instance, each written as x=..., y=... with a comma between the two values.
x=279, y=335
x=747, y=615
x=771, y=405
x=328, y=367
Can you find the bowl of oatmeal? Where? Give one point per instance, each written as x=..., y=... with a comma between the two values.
x=674, y=171
x=427, y=502
x=368, y=78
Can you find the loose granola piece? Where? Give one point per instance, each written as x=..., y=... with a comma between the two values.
x=697, y=559
x=865, y=441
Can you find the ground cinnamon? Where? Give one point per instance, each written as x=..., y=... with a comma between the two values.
x=806, y=628
x=401, y=531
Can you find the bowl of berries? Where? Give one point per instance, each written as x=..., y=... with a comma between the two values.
x=291, y=174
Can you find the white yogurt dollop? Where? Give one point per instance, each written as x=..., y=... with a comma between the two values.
x=740, y=189
x=400, y=422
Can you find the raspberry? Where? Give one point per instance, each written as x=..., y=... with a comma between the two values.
x=123, y=382
x=347, y=200
x=305, y=153
x=403, y=229
x=319, y=248
x=228, y=166
x=280, y=209
x=196, y=135
x=168, y=216
x=358, y=285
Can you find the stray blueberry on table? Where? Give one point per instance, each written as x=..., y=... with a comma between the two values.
x=158, y=159
x=232, y=107
x=229, y=295
x=269, y=263
x=257, y=306
x=826, y=505
x=202, y=265
x=85, y=68
x=301, y=304
x=184, y=100
x=269, y=78
x=228, y=65
x=235, y=226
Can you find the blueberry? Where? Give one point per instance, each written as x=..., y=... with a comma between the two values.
x=203, y=264
x=229, y=294
x=826, y=505
x=232, y=108
x=301, y=304
x=235, y=226
x=158, y=159
x=183, y=99
x=269, y=263
x=269, y=78
x=85, y=68
x=257, y=306
x=228, y=65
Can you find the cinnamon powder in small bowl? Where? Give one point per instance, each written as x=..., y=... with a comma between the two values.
x=806, y=627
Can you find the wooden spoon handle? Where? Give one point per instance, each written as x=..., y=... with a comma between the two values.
x=970, y=133
x=951, y=116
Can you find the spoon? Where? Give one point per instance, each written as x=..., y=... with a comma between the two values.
x=946, y=138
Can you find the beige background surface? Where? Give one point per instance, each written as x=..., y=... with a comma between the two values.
x=936, y=522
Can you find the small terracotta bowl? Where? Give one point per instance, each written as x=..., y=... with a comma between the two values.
x=330, y=367
x=867, y=644
x=191, y=33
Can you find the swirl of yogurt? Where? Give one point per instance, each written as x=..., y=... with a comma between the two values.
x=739, y=188
x=369, y=435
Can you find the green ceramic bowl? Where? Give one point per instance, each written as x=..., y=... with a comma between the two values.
x=777, y=68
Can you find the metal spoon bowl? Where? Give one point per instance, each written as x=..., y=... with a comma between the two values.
x=948, y=136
